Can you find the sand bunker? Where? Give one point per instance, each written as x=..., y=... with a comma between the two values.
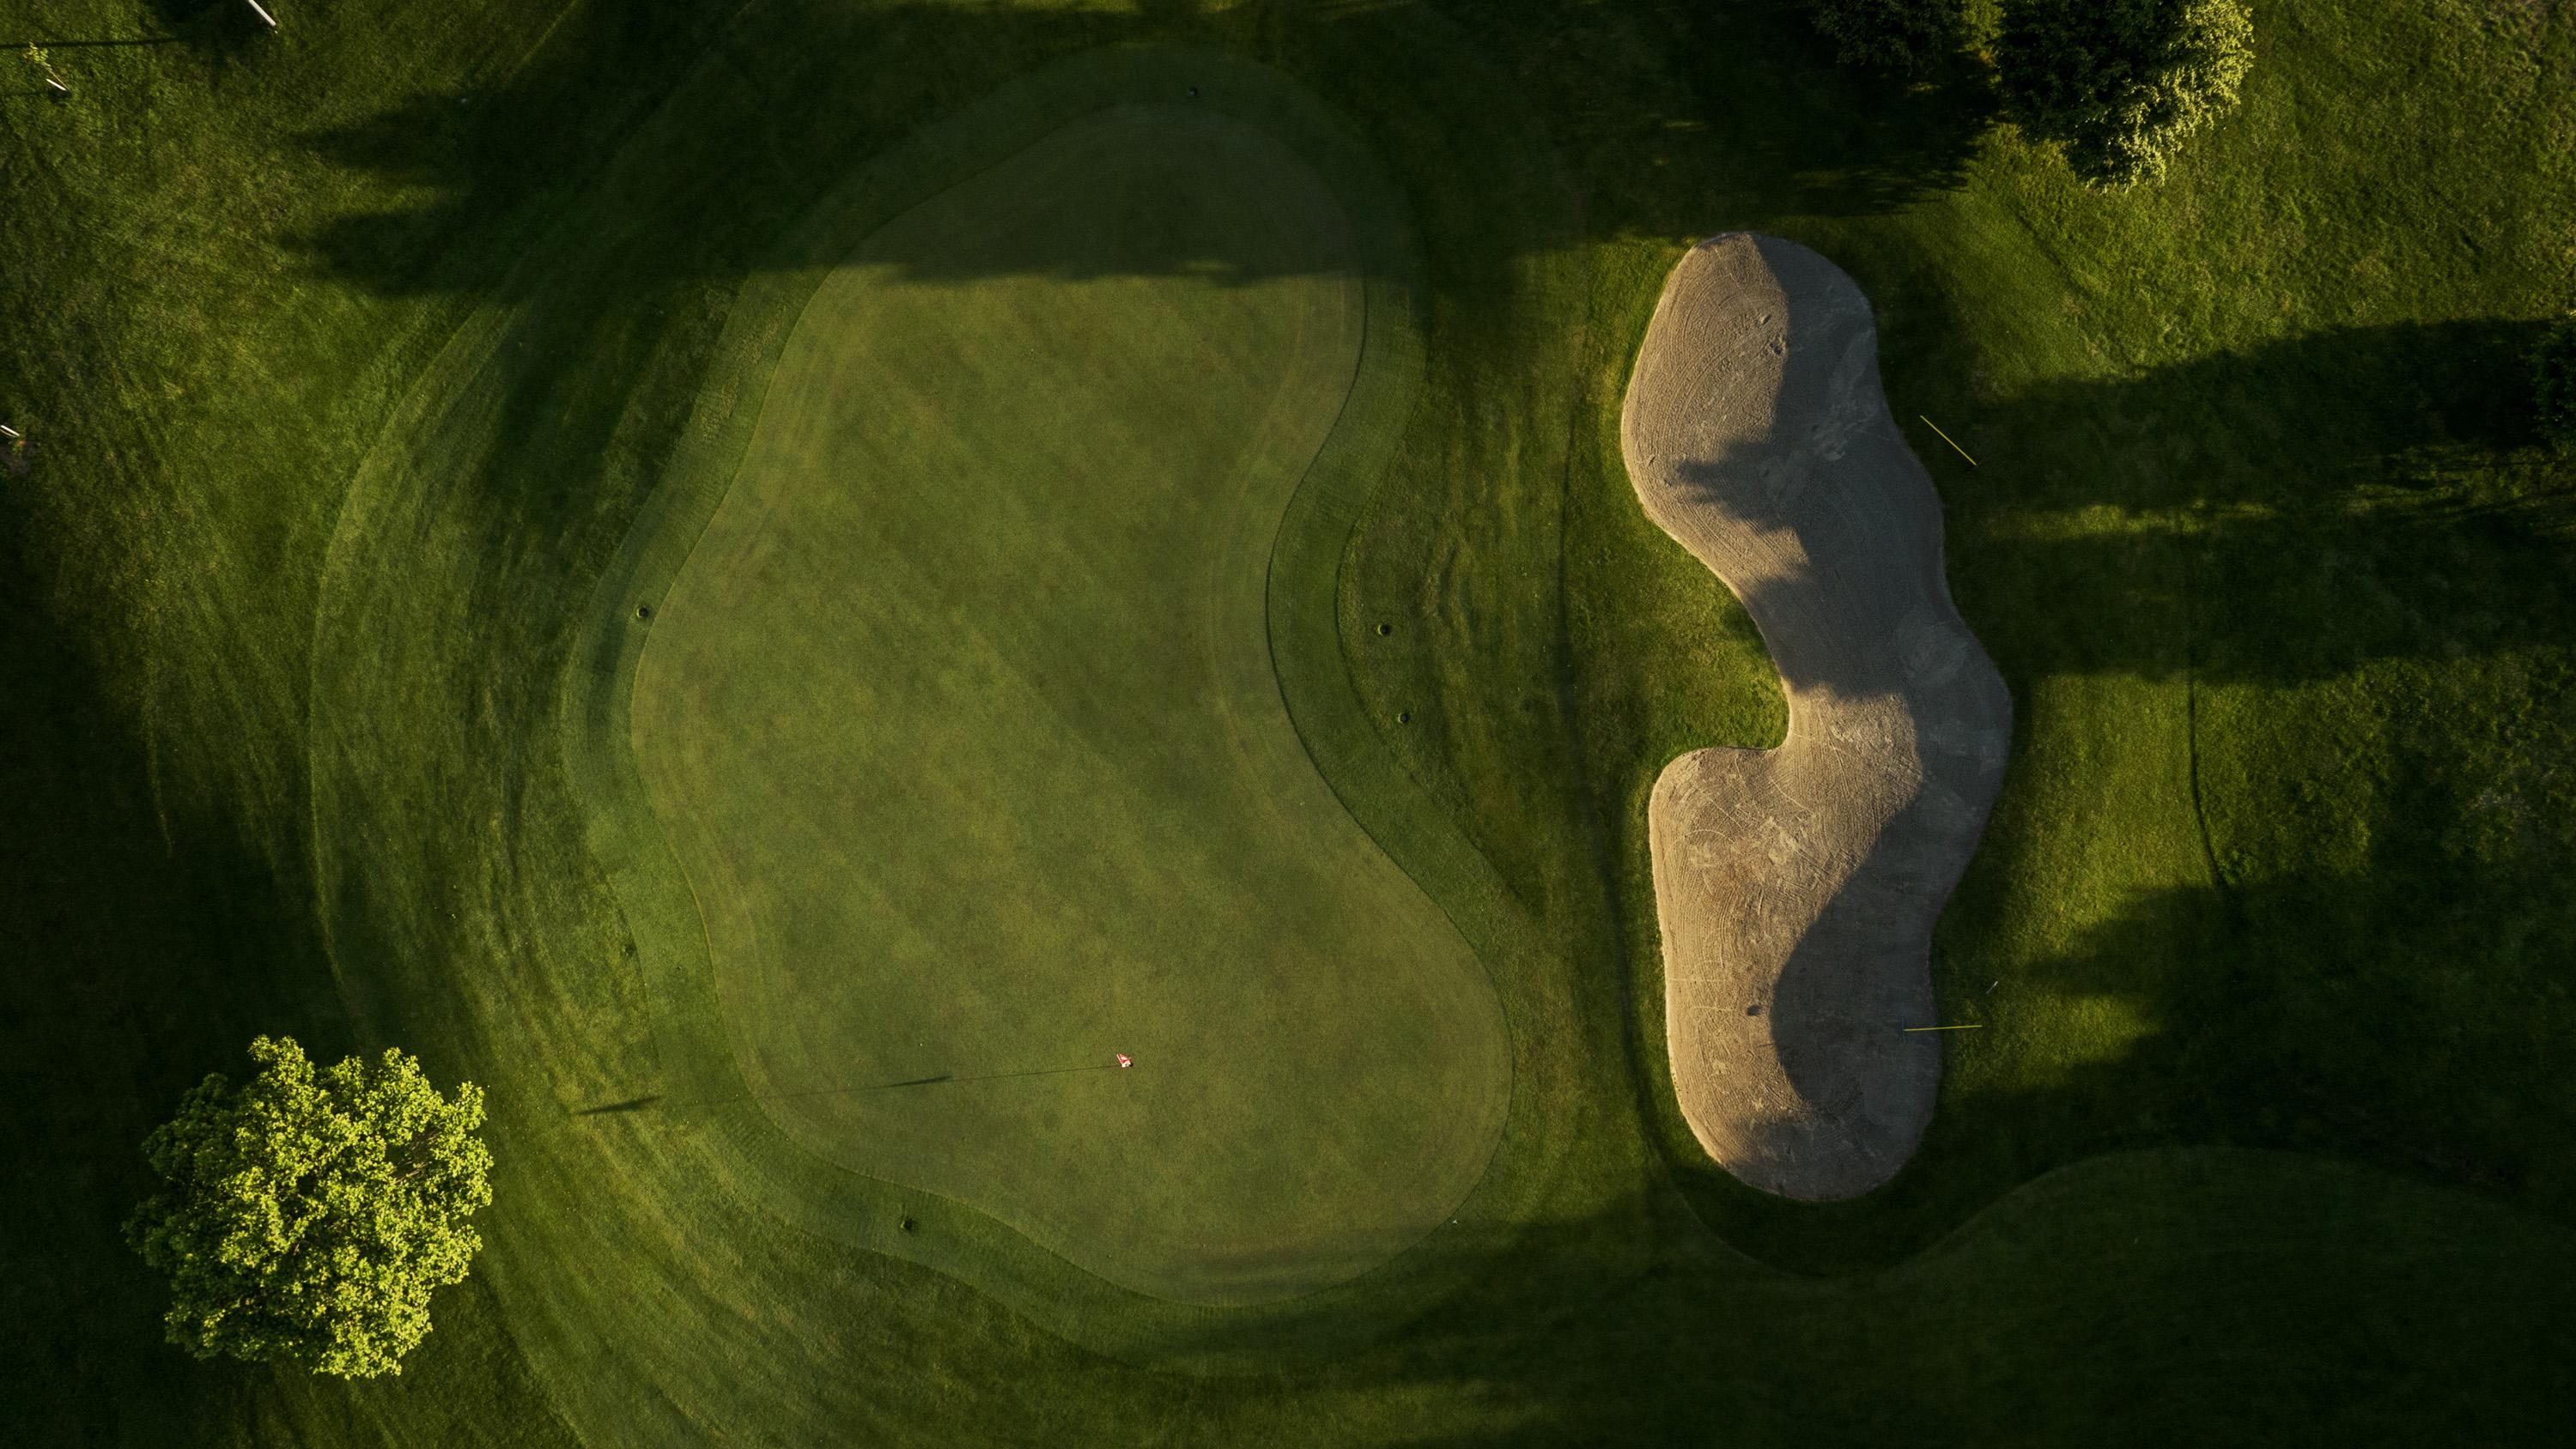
x=1797, y=887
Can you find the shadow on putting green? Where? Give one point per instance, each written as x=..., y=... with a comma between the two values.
x=774, y=120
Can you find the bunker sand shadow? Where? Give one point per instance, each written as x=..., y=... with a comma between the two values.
x=1797, y=887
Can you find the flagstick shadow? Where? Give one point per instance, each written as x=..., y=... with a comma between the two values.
x=632, y=1104
x=638, y=1104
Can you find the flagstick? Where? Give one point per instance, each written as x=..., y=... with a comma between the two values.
x=1945, y=437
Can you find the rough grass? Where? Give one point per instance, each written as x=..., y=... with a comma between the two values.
x=2270, y=559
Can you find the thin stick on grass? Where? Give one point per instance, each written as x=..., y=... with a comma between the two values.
x=1945, y=437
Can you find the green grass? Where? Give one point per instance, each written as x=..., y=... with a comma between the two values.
x=961, y=718
x=349, y=394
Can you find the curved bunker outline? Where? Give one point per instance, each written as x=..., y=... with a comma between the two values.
x=1796, y=888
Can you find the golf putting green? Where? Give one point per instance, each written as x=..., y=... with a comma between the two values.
x=962, y=722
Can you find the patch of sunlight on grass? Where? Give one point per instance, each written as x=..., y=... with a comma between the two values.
x=2057, y=1033
x=2106, y=520
x=2093, y=930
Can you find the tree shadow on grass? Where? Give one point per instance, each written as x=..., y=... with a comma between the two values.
x=148, y=939
x=147, y=944
x=2212, y=1295
x=1594, y=1343
x=759, y=120
x=2309, y=478
x=2309, y=423
x=221, y=29
x=2352, y=556
x=2287, y=514
x=771, y=108
x=2400, y=1014
x=210, y=27
x=1764, y=122
x=732, y=131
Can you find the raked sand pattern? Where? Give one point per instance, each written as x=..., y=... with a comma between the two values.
x=1797, y=887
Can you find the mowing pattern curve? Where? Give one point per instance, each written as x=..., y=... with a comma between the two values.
x=962, y=720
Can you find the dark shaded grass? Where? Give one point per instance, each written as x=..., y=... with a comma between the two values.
x=108, y=881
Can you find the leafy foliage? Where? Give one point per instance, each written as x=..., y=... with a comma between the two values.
x=2553, y=379
x=1891, y=34
x=2120, y=84
x=308, y=1216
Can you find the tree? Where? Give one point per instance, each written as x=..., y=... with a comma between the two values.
x=1891, y=34
x=308, y=1216
x=2553, y=380
x=2120, y=84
